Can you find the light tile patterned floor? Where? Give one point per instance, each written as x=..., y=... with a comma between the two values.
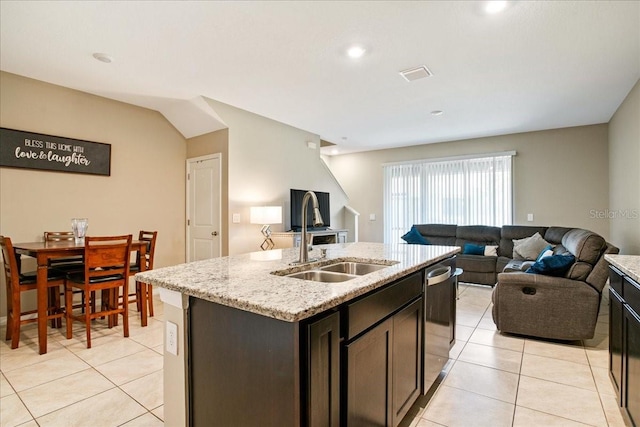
x=499, y=380
x=117, y=382
x=492, y=380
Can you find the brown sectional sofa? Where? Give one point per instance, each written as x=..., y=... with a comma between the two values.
x=564, y=308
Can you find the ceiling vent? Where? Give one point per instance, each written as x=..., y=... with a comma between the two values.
x=416, y=73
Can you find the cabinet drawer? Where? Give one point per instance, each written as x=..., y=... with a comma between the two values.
x=369, y=310
x=631, y=294
x=615, y=279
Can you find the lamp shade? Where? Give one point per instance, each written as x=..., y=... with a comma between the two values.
x=266, y=215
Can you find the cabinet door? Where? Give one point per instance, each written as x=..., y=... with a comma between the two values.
x=631, y=385
x=615, y=341
x=369, y=362
x=323, y=387
x=407, y=366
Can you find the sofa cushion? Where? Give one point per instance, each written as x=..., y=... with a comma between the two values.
x=476, y=263
x=473, y=249
x=501, y=263
x=491, y=250
x=413, y=236
x=585, y=245
x=479, y=234
x=554, y=265
x=438, y=234
x=511, y=232
x=554, y=234
x=579, y=271
x=529, y=247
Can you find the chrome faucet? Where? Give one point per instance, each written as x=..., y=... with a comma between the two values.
x=317, y=222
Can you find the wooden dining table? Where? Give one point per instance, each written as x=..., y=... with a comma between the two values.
x=43, y=252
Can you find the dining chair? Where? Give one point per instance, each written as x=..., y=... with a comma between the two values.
x=17, y=283
x=66, y=264
x=106, y=269
x=143, y=295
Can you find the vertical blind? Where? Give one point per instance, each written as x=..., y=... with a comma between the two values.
x=466, y=191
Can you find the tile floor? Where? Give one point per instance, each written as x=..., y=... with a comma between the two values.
x=492, y=380
x=117, y=382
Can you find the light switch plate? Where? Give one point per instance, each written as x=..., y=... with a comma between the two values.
x=171, y=344
x=372, y=217
x=529, y=217
x=236, y=218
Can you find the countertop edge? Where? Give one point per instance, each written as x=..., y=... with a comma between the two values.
x=628, y=264
x=293, y=316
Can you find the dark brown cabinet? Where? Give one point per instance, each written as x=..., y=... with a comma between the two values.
x=322, y=398
x=383, y=364
x=369, y=363
x=407, y=364
x=624, y=342
x=631, y=363
x=358, y=364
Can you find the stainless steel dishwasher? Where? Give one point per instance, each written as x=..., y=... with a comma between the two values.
x=439, y=312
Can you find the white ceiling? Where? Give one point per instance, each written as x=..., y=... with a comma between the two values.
x=537, y=65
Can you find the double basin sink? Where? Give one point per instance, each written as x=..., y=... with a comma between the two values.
x=339, y=271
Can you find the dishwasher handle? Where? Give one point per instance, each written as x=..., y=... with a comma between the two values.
x=438, y=275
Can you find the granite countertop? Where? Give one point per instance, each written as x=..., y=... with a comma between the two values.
x=245, y=281
x=628, y=264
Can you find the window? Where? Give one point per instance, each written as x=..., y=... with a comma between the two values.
x=462, y=191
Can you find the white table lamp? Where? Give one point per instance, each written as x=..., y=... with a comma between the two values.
x=266, y=215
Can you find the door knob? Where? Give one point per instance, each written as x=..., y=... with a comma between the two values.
x=214, y=233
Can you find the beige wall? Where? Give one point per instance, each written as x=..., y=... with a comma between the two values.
x=624, y=174
x=146, y=189
x=212, y=143
x=266, y=159
x=559, y=175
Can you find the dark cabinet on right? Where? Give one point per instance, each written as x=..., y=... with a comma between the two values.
x=624, y=342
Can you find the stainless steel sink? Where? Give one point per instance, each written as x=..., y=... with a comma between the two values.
x=334, y=272
x=356, y=268
x=322, y=276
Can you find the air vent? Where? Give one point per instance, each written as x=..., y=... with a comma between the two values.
x=416, y=73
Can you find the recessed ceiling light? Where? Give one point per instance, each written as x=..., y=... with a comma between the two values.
x=103, y=57
x=334, y=151
x=356, y=51
x=437, y=112
x=495, y=6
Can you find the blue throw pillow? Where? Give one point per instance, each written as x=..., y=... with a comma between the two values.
x=547, y=251
x=414, y=237
x=554, y=265
x=472, y=249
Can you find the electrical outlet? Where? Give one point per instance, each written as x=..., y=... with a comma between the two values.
x=529, y=217
x=171, y=344
x=236, y=218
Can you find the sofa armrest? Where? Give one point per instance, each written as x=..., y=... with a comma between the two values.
x=545, y=306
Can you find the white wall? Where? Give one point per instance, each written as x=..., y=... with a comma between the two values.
x=559, y=175
x=624, y=167
x=266, y=159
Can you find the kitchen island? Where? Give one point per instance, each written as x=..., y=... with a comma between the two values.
x=258, y=348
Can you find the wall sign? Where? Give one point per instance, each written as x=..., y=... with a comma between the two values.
x=19, y=149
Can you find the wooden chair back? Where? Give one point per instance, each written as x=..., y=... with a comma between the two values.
x=150, y=238
x=107, y=257
x=58, y=236
x=18, y=283
x=11, y=263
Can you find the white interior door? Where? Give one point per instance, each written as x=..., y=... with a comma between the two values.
x=203, y=208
